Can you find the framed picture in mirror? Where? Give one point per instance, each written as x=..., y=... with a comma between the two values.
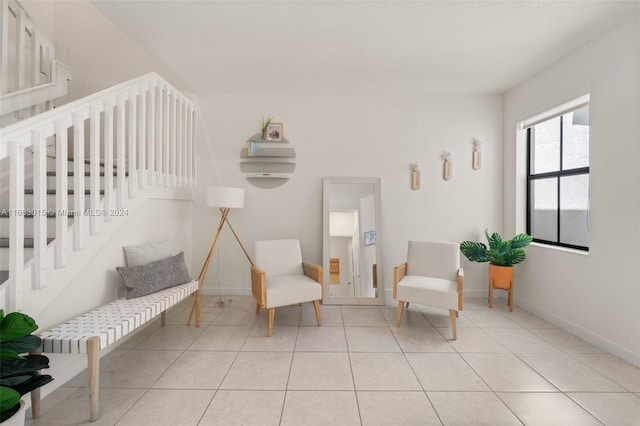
x=369, y=238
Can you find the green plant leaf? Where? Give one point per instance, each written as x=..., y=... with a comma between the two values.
x=16, y=325
x=27, y=365
x=9, y=400
x=514, y=257
x=12, y=382
x=34, y=382
x=521, y=240
x=23, y=344
x=6, y=354
x=474, y=251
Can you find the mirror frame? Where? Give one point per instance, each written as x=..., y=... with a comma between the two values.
x=326, y=194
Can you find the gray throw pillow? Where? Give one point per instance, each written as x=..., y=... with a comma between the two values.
x=155, y=276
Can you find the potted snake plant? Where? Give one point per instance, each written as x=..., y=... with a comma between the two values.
x=19, y=371
x=501, y=255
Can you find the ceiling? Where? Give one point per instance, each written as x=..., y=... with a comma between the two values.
x=406, y=47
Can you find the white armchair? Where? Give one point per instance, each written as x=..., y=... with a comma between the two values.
x=431, y=276
x=280, y=278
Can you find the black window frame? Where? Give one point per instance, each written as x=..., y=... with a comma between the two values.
x=558, y=174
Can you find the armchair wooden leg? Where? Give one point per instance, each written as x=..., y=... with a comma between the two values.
x=272, y=314
x=257, y=308
x=399, y=316
x=316, y=306
x=452, y=315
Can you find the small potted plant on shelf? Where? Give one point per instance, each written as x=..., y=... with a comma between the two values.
x=501, y=255
x=19, y=371
x=265, y=125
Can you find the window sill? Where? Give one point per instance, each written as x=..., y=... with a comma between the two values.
x=560, y=248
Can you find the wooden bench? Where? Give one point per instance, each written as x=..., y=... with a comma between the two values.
x=100, y=328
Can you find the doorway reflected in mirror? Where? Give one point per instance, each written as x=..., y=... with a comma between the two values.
x=351, y=238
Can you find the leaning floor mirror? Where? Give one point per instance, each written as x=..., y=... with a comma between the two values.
x=352, y=241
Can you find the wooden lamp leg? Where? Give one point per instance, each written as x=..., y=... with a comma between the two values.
x=203, y=272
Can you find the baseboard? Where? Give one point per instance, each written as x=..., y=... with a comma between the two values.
x=581, y=332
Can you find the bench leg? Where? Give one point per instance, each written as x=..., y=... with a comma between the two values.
x=163, y=318
x=35, y=395
x=93, y=358
x=35, y=403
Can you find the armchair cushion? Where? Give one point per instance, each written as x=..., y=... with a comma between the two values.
x=428, y=291
x=278, y=257
x=291, y=289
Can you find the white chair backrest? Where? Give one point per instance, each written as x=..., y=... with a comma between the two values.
x=278, y=257
x=433, y=259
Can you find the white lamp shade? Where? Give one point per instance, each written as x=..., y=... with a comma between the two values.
x=225, y=197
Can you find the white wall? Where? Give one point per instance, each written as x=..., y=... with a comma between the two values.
x=342, y=135
x=101, y=55
x=594, y=295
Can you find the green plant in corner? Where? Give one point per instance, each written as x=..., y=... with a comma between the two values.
x=500, y=252
x=265, y=126
x=19, y=372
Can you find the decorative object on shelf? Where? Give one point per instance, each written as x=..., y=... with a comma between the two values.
x=265, y=125
x=447, y=166
x=477, y=154
x=275, y=132
x=19, y=373
x=501, y=255
x=369, y=238
x=225, y=198
x=415, y=176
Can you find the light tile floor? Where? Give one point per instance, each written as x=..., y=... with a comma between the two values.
x=357, y=369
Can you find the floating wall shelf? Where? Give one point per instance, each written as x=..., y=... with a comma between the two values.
x=267, y=164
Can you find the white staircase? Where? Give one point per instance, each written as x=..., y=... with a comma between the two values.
x=141, y=134
x=31, y=75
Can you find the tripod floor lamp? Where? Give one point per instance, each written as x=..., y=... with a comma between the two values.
x=225, y=198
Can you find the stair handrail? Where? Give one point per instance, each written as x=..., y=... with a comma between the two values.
x=151, y=124
x=28, y=60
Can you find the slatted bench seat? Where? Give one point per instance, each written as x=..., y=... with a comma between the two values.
x=101, y=327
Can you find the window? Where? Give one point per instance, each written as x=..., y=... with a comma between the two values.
x=558, y=178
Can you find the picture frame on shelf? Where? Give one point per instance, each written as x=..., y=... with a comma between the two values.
x=275, y=132
x=369, y=238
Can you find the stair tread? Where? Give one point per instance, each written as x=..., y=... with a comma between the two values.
x=28, y=242
x=50, y=214
x=87, y=174
x=69, y=191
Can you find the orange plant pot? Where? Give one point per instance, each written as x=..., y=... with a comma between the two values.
x=501, y=276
